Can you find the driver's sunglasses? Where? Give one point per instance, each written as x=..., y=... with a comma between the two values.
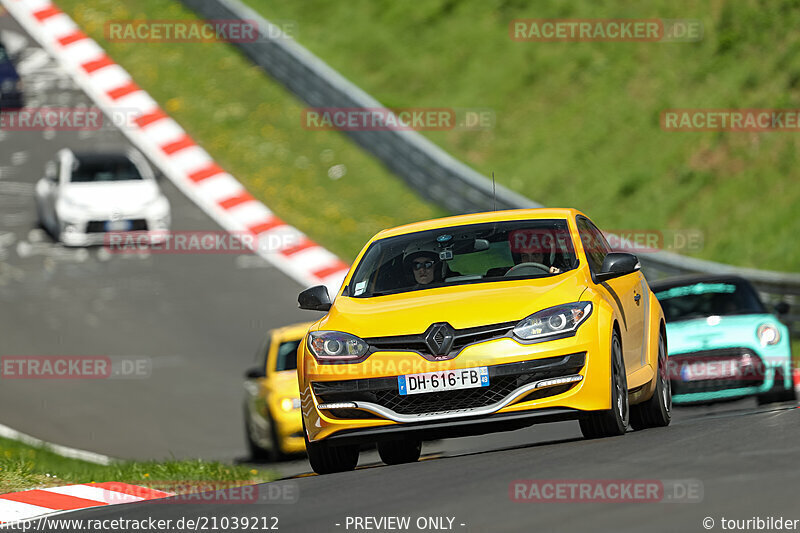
x=423, y=264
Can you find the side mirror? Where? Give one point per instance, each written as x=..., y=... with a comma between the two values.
x=315, y=299
x=782, y=308
x=51, y=171
x=481, y=245
x=617, y=264
x=255, y=373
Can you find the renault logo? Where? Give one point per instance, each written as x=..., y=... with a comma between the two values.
x=439, y=338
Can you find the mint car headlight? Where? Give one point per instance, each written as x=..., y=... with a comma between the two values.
x=768, y=334
x=554, y=321
x=335, y=346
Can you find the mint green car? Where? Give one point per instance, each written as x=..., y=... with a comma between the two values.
x=722, y=342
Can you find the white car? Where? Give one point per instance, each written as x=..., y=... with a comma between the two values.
x=83, y=196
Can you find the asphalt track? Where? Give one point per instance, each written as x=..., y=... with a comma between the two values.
x=198, y=320
x=743, y=459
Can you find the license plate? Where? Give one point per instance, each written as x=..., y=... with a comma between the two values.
x=118, y=225
x=699, y=371
x=443, y=380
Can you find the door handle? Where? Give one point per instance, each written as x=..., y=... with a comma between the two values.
x=636, y=298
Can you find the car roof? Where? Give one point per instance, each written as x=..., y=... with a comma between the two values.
x=477, y=218
x=691, y=279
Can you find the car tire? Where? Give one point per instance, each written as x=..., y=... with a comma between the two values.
x=397, y=452
x=778, y=393
x=257, y=453
x=657, y=411
x=275, y=454
x=326, y=459
x=613, y=422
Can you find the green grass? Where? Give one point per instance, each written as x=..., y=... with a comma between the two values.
x=251, y=125
x=577, y=124
x=24, y=467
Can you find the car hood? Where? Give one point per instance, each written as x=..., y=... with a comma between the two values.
x=729, y=332
x=122, y=195
x=462, y=306
x=284, y=384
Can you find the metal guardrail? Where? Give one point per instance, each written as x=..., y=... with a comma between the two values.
x=428, y=169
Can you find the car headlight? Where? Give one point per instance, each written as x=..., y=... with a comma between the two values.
x=290, y=404
x=768, y=334
x=558, y=320
x=335, y=346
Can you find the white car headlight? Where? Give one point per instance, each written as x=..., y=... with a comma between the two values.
x=768, y=334
x=335, y=346
x=558, y=320
x=290, y=404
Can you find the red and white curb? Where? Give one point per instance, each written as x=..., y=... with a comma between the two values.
x=28, y=504
x=185, y=163
x=797, y=379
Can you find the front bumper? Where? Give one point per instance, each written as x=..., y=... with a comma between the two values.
x=757, y=376
x=289, y=430
x=371, y=408
x=91, y=233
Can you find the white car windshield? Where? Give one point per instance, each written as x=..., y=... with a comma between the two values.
x=103, y=169
x=475, y=253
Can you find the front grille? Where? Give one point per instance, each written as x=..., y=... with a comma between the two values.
x=99, y=226
x=461, y=339
x=503, y=379
x=751, y=374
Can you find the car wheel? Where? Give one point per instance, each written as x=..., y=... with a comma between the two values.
x=778, y=393
x=613, y=422
x=327, y=459
x=257, y=453
x=657, y=411
x=397, y=452
x=275, y=452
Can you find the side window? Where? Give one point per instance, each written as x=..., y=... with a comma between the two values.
x=287, y=356
x=594, y=244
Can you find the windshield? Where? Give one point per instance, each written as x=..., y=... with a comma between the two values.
x=699, y=300
x=475, y=253
x=113, y=168
x=287, y=356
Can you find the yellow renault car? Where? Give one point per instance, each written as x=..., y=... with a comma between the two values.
x=273, y=429
x=479, y=323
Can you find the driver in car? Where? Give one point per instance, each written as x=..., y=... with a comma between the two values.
x=422, y=263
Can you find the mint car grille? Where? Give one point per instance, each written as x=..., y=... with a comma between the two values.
x=707, y=365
